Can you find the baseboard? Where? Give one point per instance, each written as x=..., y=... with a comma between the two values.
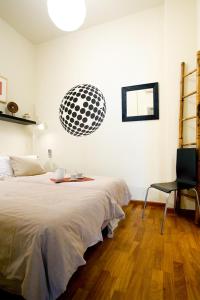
x=152, y=203
x=161, y=204
x=183, y=212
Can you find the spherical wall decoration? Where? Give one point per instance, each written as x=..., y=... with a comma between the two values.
x=82, y=110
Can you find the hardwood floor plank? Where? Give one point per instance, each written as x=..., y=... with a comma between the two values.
x=80, y=294
x=180, y=282
x=168, y=258
x=117, y=295
x=103, y=287
x=156, y=292
x=168, y=285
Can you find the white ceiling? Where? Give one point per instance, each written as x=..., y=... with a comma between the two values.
x=30, y=17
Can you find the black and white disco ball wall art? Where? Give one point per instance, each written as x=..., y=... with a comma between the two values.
x=82, y=110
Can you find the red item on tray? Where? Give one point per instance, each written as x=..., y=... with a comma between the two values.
x=68, y=179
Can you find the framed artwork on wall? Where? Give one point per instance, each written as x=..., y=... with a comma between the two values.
x=3, y=89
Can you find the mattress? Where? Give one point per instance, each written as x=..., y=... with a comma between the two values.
x=45, y=229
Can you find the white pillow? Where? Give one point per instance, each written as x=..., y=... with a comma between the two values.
x=26, y=166
x=32, y=156
x=5, y=166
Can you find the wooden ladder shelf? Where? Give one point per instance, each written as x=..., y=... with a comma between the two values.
x=184, y=97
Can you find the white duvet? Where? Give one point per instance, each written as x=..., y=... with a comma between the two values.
x=45, y=228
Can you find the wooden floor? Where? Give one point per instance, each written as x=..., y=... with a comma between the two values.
x=139, y=263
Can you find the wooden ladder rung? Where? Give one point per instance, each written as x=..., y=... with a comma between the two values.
x=189, y=144
x=190, y=73
x=187, y=195
x=190, y=118
x=190, y=94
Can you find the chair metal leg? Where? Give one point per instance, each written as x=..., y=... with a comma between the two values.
x=145, y=202
x=197, y=196
x=197, y=213
x=164, y=215
x=175, y=201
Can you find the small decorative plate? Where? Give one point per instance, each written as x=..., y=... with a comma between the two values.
x=12, y=107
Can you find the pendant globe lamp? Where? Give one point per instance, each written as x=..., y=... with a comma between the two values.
x=67, y=15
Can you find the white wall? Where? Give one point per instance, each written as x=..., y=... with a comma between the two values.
x=180, y=45
x=125, y=52
x=198, y=24
x=17, y=65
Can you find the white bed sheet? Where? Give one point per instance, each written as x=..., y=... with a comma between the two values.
x=45, y=228
x=115, y=187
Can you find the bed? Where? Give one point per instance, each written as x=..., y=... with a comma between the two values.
x=45, y=229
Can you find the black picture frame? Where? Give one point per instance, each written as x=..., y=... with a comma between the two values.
x=126, y=89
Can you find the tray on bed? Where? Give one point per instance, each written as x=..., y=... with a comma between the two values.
x=68, y=179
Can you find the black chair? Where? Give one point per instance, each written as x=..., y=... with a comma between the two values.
x=186, y=178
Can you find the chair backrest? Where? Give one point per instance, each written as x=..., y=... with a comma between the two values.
x=186, y=165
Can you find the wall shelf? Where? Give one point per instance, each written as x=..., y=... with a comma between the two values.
x=13, y=119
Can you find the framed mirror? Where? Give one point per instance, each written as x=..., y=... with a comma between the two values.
x=140, y=102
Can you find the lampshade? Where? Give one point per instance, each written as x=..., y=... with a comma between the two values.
x=67, y=15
